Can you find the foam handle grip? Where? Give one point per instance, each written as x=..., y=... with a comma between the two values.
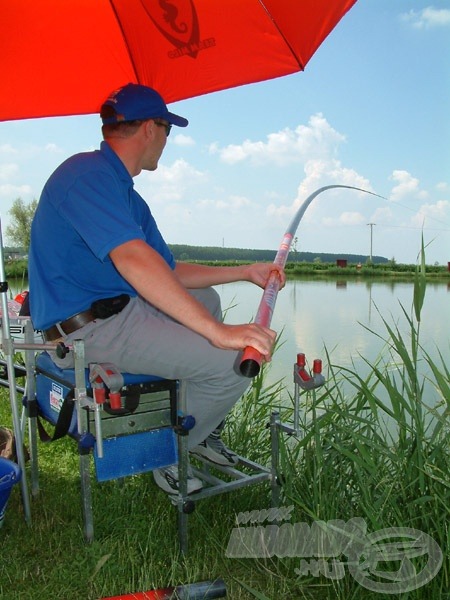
x=250, y=362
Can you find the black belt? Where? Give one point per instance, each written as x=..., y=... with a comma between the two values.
x=69, y=325
x=100, y=309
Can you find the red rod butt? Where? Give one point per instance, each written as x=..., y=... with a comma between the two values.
x=250, y=362
x=249, y=368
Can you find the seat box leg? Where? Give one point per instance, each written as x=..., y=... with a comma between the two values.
x=86, y=496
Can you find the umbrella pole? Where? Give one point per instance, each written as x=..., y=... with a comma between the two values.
x=8, y=349
x=251, y=360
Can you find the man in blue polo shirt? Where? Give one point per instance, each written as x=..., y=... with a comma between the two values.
x=100, y=270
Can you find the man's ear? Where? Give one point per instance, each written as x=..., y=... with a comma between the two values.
x=149, y=128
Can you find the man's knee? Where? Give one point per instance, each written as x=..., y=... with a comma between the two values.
x=209, y=298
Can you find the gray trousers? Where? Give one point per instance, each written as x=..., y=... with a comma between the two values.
x=144, y=340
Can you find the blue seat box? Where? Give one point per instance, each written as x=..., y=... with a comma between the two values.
x=138, y=437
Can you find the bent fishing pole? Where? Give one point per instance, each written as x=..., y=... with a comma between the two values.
x=251, y=359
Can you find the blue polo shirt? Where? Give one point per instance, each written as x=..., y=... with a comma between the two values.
x=87, y=208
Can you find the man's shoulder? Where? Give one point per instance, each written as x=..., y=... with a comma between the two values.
x=83, y=162
x=78, y=166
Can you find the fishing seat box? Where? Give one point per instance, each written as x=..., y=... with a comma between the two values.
x=136, y=438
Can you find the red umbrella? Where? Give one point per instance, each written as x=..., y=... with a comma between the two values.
x=63, y=57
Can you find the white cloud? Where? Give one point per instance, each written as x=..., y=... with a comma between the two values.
x=189, y=202
x=169, y=183
x=179, y=171
x=183, y=140
x=442, y=186
x=347, y=218
x=53, y=148
x=352, y=218
x=382, y=215
x=8, y=149
x=8, y=171
x=285, y=147
x=436, y=213
x=232, y=204
x=213, y=148
x=320, y=173
x=27, y=151
x=407, y=186
x=14, y=191
x=427, y=18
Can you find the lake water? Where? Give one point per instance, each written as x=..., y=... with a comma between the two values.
x=312, y=315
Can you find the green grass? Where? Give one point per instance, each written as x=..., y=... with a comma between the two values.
x=379, y=453
x=18, y=270
x=135, y=546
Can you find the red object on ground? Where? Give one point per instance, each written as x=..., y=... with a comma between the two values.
x=163, y=594
x=63, y=58
x=204, y=590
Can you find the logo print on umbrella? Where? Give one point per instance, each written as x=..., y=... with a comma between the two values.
x=177, y=20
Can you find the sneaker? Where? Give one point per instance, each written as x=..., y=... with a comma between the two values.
x=215, y=451
x=167, y=479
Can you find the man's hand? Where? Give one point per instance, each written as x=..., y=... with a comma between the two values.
x=259, y=273
x=238, y=337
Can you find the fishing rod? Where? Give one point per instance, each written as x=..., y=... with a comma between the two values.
x=251, y=359
x=204, y=590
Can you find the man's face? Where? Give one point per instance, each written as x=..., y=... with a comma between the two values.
x=158, y=130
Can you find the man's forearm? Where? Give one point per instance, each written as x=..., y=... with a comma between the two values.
x=195, y=276
x=153, y=279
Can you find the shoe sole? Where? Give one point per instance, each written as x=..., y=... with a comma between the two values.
x=165, y=487
x=214, y=462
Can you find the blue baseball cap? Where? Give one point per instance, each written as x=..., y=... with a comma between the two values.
x=136, y=102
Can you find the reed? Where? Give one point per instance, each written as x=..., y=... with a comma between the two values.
x=380, y=453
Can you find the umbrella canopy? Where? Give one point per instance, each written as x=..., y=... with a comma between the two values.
x=64, y=57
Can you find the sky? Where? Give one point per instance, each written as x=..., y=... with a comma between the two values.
x=371, y=110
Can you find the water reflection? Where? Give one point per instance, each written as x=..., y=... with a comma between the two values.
x=343, y=318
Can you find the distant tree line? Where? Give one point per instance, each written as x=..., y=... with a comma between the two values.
x=217, y=253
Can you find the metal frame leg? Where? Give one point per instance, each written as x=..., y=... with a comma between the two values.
x=17, y=432
x=86, y=496
x=32, y=436
x=275, y=427
x=84, y=452
x=30, y=394
x=8, y=349
x=183, y=463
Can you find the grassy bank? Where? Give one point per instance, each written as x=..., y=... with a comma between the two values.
x=18, y=269
x=385, y=270
x=348, y=467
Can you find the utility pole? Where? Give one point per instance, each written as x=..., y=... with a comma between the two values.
x=371, y=239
